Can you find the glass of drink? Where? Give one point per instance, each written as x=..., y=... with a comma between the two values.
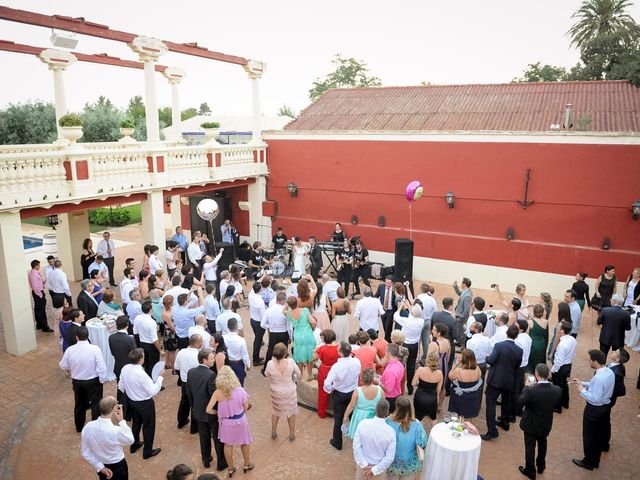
x=446, y=418
x=454, y=417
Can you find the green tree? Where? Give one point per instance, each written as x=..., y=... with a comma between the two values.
x=204, y=109
x=599, y=17
x=135, y=109
x=188, y=113
x=26, y=123
x=286, y=111
x=164, y=115
x=535, y=72
x=349, y=72
x=101, y=121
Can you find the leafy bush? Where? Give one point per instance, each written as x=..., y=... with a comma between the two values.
x=103, y=216
x=210, y=125
x=70, y=120
x=126, y=123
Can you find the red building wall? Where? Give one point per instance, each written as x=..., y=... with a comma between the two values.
x=582, y=194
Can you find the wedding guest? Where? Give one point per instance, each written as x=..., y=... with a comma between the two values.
x=605, y=287
x=539, y=333
x=87, y=256
x=279, y=328
x=120, y=345
x=147, y=330
x=256, y=312
x=429, y=381
x=237, y=351
x=631, y=290
x=564, y=315
x=380, y=344
x=186, y=360
x=283, y=373
x=328, y=354
x=231, y=403
x=618, y=359
x=440, y=346
x=480, y=345
x=363, y=402
x=86, y=301
x=392, y=377
x=170, y=339
x=615, y=322
x=374, y=444
x=304, y=343
x=108, y=307
x=180, y=471
x=366, y=353
x=582, y=290
x=562, y=360
x=58, y=286
x=523, y=340
x=36, y=282
x=466, y=388
x=412, y=330
x=368, y=311
x=410, y=436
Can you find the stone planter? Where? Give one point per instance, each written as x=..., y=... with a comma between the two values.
x=211, y=134
x=126, y=135
x=71, y=133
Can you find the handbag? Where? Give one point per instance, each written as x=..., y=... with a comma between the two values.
x=420, y=453
x=596, y=303
x=295, y=377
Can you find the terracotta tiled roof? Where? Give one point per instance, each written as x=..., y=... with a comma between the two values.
x=613, y=106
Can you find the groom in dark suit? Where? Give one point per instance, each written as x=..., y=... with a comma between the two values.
x=538, y=400
x=120, y=344
x=388, y=300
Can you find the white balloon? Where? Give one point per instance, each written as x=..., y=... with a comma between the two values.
x=207, y=209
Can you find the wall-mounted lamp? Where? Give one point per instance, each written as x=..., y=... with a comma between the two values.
x=511, y=233
x=354, y=219
x=635, y=209
x=451, y=199
x=381, y=221
x=167, y=200
x=52, y=221
x=293, y=189
x=606, y=243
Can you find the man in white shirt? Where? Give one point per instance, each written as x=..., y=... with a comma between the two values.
x=500, y=335
x=562, y=360
x=58, y=286
x=330, y=286
x=98, y=264
x=186, y=359
x=88, y=371
x=134, y=307
x=140, y=390
x=194, y=254
x=412, y=331
x=126, y=285
x=107, y=249
x=368, y=311
x=147, y=330
x=237, y=350
x=176, y=290
x=278, y=326
x=575, y=311
x=171, y=254
x=256, y=312
x=341, y=381
x=200, y=328
x=210, y=266
x=477, y=315
x=155, y=265
x=374, y=444
x=212, y=308
x=102, y=441
x=429, y=307
x=523, y=340
x=480, y=344
x=223, y=319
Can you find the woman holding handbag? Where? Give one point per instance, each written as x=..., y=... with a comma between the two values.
x=411, y=439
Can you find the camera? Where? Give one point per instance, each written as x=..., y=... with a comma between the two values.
x=493, y=285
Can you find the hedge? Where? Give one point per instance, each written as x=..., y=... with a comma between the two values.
x=104, y=216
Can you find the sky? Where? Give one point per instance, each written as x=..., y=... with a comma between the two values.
x=403, y=42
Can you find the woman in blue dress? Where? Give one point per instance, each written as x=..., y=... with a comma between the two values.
x=304, y=343
x=409, y=434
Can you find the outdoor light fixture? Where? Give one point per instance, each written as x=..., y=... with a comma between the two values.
x=168, y=200
x=635, y=209
x=511, y=233
x=293, y=189
x=354, y=219
x=451, y=199
x=63, y=39
x=381, y=221
x=52, y=221
x=606, y=243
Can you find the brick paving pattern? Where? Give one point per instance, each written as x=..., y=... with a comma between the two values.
x=39, y=440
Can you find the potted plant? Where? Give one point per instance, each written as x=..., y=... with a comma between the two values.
x=211, y=130
x=127, y=128
x=71, y=127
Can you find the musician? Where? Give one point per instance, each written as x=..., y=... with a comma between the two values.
x=338, y=234
x=361, y=267
x=315, y=255
x=279, y=240
x=345, y=265
x=257, y=262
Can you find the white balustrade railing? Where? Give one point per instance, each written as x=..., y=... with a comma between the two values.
x=38, y=175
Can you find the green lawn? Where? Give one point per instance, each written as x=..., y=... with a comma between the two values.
x=134, y=212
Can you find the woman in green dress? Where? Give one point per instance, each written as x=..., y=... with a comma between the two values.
x=539, y=333
x=304, y=344
x=363, y=402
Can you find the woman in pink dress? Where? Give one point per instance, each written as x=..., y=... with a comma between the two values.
x=232, y=405
x=283, y=373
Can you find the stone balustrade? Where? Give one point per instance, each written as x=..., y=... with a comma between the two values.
x=40, y=175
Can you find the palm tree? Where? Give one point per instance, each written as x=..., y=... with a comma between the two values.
x=599, y=17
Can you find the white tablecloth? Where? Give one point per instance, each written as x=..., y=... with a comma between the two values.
x=449, y=458
x=632, y=337
x=99, y=335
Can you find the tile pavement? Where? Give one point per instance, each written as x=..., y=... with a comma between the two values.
x=39, y=440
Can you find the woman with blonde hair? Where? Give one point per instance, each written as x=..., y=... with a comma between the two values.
x=410, y=434
x=282, y=371
x=363, y=401
x=429, y=380
x=230, y=402
x=466, y=385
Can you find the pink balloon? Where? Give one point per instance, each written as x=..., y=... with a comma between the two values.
x=413, y=191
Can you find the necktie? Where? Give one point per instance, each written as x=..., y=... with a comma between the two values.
x=387, y=299
x=109, y=248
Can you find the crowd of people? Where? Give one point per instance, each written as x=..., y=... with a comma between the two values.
x=384, y=383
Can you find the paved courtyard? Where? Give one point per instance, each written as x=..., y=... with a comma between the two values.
x=39, y=440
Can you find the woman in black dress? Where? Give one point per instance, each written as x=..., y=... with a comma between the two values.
x=582, y=290
x=429, y=381
x=220, y=352
x=87, y=257
x=606, y=286
x=466, y=385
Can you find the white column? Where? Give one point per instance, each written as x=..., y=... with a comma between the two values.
x=58, y=61
x=259, y=225
x=255, y=69
x=15, y=295
x=70, y=233
x=174, y=76
x=176, y=213
x=153, y=221
x=149, y=50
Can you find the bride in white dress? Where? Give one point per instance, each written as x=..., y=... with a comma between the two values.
x=300, y=252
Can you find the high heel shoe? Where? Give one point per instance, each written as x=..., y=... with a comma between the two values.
x=246, y=468
x=292, y=438
x=274, y=434
x=231, y=471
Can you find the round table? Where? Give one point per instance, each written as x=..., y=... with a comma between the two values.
x=632, y=337
x=447, y=457
x=99, y=335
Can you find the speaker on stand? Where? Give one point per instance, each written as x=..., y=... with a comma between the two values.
x=404, y=261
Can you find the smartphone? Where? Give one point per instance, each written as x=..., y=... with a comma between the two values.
x=493, y=285
x=532, y=379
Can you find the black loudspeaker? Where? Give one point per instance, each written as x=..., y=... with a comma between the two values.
x=228, y=256
x=404, y=260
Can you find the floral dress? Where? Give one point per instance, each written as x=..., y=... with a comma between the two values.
x=406, y=461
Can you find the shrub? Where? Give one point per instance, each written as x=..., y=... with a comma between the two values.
x=103, y=216
x=126, y=123
x=210, y=125
x=70, y=120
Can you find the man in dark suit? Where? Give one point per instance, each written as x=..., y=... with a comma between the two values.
x=201, y=383
x=86, y=301
x=503, y=363
x=388, y=300
x=77, y=320
x=615, y=321
x=538, y=401
x=315, y=256
x=618, y=359
x=120, y=344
